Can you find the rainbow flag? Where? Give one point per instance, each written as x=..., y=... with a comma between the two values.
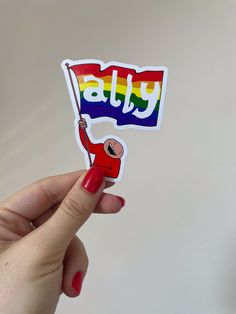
x=128, y=95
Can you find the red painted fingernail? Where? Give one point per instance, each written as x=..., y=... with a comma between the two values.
x=122, y=200
x=93, y=179
x=77, y=282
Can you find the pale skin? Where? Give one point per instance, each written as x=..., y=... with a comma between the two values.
x=38, y=263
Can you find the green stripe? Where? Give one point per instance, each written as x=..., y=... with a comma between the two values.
x=139, y=102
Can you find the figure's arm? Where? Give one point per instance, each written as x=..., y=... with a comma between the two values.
x=85, y=140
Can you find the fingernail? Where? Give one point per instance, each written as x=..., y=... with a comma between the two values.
x=122, y=200
x=93, y=179
x=77, y=282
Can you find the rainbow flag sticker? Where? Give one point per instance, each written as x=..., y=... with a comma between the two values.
x=127, y=95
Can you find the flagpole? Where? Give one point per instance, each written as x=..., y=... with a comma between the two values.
x=78, y=107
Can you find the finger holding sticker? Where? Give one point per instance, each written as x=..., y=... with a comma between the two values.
x=40, y=255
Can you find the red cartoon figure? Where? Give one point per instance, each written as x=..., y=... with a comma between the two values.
x=108, y=155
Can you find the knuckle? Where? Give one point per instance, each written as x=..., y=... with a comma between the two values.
x=86, y=263
x=75, y=209
x=85, y=255
x=86, y=260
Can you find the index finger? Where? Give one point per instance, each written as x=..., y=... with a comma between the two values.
x=35, y=199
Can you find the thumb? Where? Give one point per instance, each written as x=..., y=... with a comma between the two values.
x=58, y=231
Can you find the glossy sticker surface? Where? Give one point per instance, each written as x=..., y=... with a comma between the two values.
x=126, y=95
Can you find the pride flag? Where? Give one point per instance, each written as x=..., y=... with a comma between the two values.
x=129, y=95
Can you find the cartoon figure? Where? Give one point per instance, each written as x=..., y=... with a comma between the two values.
x=108, y=155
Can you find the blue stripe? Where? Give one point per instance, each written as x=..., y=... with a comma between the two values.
x=101, y=109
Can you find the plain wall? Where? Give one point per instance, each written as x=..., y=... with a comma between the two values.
x=172, y=249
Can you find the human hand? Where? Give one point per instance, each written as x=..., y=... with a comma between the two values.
x=40, y=255
x=83, y=123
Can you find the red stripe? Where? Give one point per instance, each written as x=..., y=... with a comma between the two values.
x=95, y=69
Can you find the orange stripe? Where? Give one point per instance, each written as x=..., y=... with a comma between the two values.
x=120, y=81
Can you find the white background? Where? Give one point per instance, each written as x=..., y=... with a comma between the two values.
x=172, y=250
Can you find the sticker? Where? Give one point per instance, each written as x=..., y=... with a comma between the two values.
x=126, y=95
